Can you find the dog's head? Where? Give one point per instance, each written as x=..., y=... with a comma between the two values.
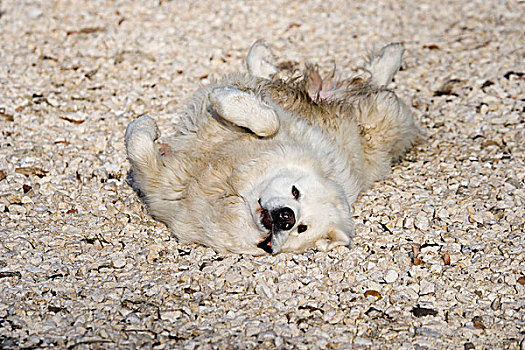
x=298, y=209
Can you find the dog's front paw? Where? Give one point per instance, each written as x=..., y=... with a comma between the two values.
x=144, y=126
x=244, y=109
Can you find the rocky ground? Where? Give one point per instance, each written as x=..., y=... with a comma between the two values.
x=438, y=260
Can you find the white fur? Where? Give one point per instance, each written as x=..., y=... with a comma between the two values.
x=257, y=61
x=244, y=109
x=386, y=64
x=246, y=148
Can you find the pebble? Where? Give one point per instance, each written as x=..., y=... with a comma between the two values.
x=422, y=222
x=391, y=276
x=426, y=287
x=443, y=214
x=264, y=291
x=171, y=316
x=360, y=341
x=118, y=261
x=98, y=296
x=34, y=13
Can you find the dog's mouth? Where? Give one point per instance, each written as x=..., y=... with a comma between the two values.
x=266, y=244
x=267, y=222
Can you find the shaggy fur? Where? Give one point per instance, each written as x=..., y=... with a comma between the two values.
x=261, y=164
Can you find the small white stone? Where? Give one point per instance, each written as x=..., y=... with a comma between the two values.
x=443, y=213
x=172, y=315
x=233, y=277
x=34, y=13
x=98, y=296
x=267, y=335
x=152, y=291
x=118, y=261
x=251, y=330
x=112, y=168
x=391, y=276
x=422, y=222
x=362, y=341
x=263, y=290
x=425, y=287
x=52, y=101
x=278, y=342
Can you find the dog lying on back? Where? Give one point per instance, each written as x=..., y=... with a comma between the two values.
x=261, y=164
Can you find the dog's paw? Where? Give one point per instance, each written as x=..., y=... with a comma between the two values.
x=386, y=64
x=258, y=60
x=144, y=126
x=245, y=110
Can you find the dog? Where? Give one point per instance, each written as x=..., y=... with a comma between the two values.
x=272, y=160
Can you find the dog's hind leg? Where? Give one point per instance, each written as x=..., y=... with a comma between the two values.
x=387, y=125
x=384, y=65
x=388, y=129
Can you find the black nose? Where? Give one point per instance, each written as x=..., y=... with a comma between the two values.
x=283, y=218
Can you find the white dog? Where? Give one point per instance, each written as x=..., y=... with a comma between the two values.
x=262, y=165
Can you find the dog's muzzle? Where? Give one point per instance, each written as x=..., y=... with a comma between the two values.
x=280, y=219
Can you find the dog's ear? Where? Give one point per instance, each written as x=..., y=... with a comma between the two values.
x=244, y=109
x=334, y=238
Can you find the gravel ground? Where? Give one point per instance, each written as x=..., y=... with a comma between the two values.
x=438, y=260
